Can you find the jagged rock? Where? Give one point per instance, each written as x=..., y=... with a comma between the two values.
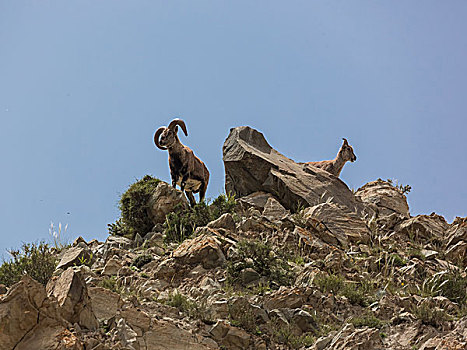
x=303, y=320
x=255, y=200
x=336, y=225
x=225, y=221
x=284, y=298
x=117, y=242
x=53, y=337
x=75, y=256
x=136, y=317
x=457, y=252
x=456, y=247
x=424, y=227
x=164, y=200
x=165, y=335
x=79, y=240
x=112, y=267
x=230, y=337
x=105, y=303
x=19, y=311
x=384, y=197
x=274, y=211
x=73, y=301
x=252, y=165
x=356, y=339
x=126, y=335
x=204, y=249
x=457, y=231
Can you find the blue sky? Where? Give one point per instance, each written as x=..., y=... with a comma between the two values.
x=84, y=85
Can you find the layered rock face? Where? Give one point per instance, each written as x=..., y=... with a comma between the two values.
x=300, y=263
x=252, y=165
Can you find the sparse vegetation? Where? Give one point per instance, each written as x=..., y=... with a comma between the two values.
x=367, y=320
x=181, y=224
x=110, y=283
x=431, y=316
x=263, y=259
x=36, y=260
x=403, y=188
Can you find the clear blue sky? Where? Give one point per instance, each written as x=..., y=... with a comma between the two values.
x=84, y=84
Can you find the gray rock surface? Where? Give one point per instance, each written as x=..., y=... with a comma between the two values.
x=252, y=165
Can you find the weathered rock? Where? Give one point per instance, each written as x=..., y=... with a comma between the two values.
x=356, y=339
x=75, y=256
x=3, y=289
x=386, y=198
x=165, y=335
x=252, y=165
x=126, y=335
x=225, y=221
x=72, y=296
x=457, y=231
x=230, y=337
x=112, y=267
x=136, y=317
x=204, y=249
x=248, y=276
x=105, y=303
x=424, y=227
x=274, y=211
x=255, y=200
x=50, y=337
x=19, y=311
x=336, y=225
x=457, y=252
x=118, y=242
x=164, y=200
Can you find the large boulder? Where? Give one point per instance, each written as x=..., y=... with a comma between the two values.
x=19, y=311
x=424, y=227
x=384, y=198
x=204, y=249
x=337, y=226
x=73, y=300
x=252, y=165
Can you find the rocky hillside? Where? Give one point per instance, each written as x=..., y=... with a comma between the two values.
x=295, y=261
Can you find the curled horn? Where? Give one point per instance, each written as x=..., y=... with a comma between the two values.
x=156, y=137
x=176, y=122
x=345, y=141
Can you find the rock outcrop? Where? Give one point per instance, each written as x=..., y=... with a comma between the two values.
x=252, y=165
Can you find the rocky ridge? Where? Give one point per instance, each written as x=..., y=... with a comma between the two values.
x=300, y=263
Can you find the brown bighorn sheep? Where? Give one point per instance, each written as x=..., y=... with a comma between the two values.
x=186, y=169
x=335, y=166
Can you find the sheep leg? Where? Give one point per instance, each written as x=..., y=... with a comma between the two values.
x=183, y=183
x=174, y=181
x=191, y=198
x=202, y=190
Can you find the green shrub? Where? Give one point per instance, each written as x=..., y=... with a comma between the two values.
x=110, y=283
x=360, y=293
x=263, y=259
x=181, y=224
x=36, y=260
x=134, y=209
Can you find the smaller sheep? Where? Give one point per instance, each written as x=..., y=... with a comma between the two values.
x=335, y=166
x=186, y=169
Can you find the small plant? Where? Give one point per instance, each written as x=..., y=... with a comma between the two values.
x=367, y=320
x=430, y=316
x=35, y=260
x=263, y=259
x=134, y=209
x=141, y=260
x=416, y=253
x=181, y=224
x=403, y=188
x=180, y=301
x=329, y=283
x=285, y=335
x=358, y=293
x=110, y=283
x=449, y=284
x=241, y=315
x=82, y=260
x=58, y=236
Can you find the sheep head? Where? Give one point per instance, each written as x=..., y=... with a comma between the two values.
x=166, y=137
x=346, y=152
